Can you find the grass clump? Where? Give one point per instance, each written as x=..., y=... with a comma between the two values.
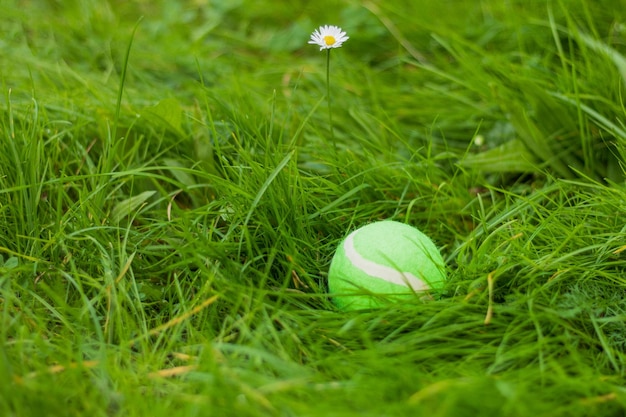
x=170, y=201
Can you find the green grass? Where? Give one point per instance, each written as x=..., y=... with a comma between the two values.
x=171, y=198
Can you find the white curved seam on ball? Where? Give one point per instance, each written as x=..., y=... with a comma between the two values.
x=381, y=271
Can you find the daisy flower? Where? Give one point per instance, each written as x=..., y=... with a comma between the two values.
x=328, y=36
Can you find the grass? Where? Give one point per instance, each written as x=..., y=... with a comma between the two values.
x=170, y=201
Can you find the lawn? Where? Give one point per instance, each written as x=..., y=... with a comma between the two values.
x=175, y=177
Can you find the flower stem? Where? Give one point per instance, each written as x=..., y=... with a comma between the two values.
x=330, y=114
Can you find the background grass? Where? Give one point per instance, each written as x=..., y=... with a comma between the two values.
x=170, y=201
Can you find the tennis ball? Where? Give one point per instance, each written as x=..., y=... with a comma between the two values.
x=383, y=258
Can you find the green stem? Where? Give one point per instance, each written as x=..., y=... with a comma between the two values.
x=330, y=113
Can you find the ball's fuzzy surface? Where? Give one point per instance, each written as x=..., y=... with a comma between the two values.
x=383, y=258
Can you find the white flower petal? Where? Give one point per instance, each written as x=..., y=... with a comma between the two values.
x=328, y=36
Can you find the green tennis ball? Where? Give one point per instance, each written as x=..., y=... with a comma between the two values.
x=384, y=258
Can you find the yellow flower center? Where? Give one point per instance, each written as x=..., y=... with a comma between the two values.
x=329, y=40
